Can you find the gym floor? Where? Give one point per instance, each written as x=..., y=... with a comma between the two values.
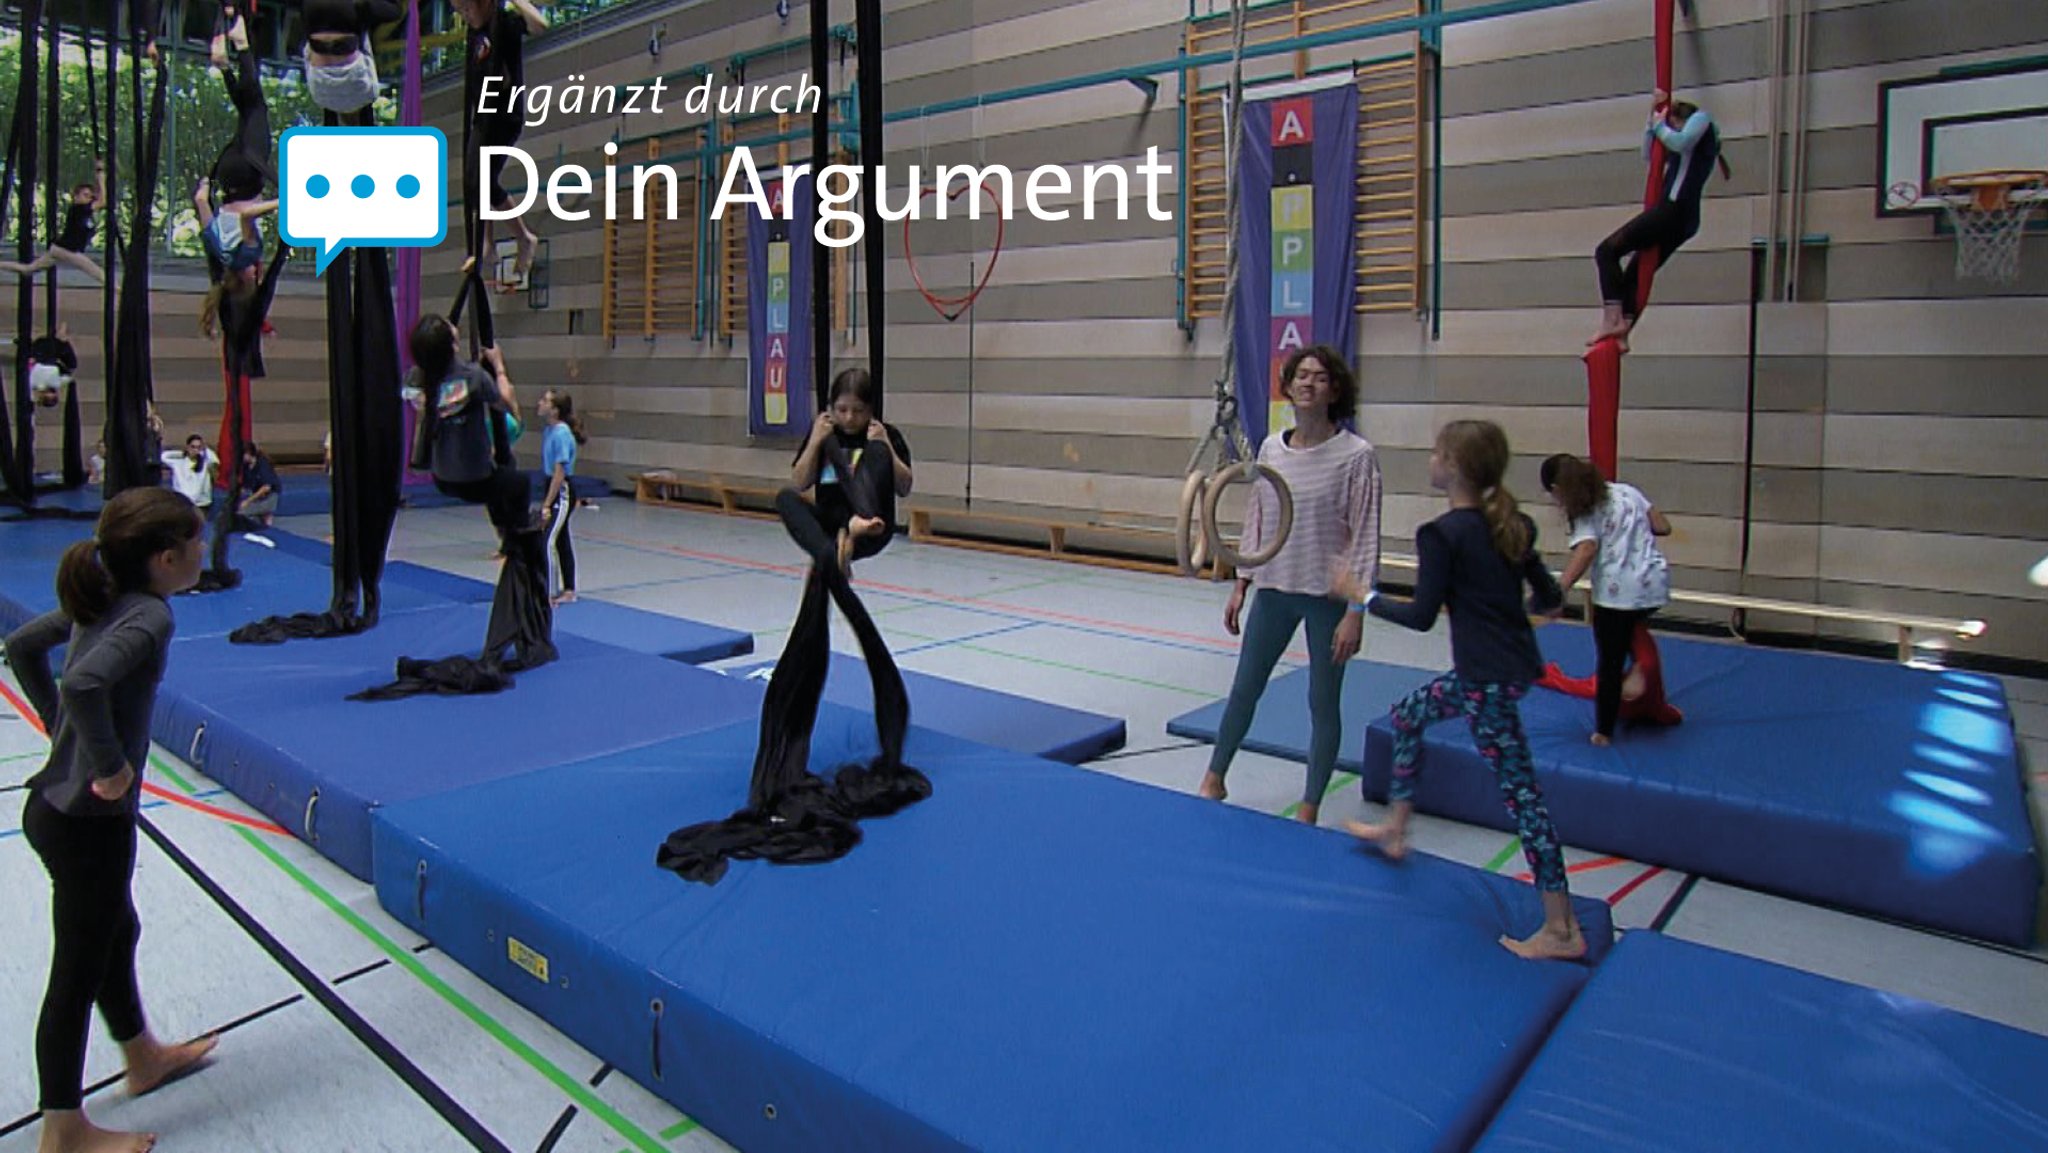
x=341, y=1027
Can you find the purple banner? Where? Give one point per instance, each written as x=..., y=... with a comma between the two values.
x=779, y=314
x=1296, y=245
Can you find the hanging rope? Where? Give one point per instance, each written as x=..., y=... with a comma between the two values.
x=1236, y=463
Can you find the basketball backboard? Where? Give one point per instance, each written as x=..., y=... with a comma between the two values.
x=1974, y=119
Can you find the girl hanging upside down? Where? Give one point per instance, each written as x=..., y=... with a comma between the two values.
x=341, y=74
x=859, y=467
x=496, y=50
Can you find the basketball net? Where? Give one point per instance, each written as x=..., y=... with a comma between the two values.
x=1989, y=221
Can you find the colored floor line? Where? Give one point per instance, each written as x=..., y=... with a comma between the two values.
x=1042, y=662
x=969, y=638
x=402, y=957
x=1338, y=780
x=1506, y=853
x=406, y=960
x=1192, y=642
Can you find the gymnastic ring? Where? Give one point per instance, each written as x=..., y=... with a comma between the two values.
x=1190, y=549
x=1246, y=472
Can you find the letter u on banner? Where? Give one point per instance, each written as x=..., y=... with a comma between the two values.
x=779, y=312
x=1296, y=245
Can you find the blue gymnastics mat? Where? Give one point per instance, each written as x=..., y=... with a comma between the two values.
x=1037, y=957
x=1853, y=783
x=1681, y=1048
x=635, y=630
x=274, y=583
x=1280, y=727
x=984, y=716
x=273, y=725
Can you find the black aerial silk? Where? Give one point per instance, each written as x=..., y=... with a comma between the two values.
x=793, y=816
x=367, y=422
x=520, y=632
x=132, y=446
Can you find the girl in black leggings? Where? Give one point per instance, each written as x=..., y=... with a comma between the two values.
x=1692, y=147
x=858, y=466
x=82, y=813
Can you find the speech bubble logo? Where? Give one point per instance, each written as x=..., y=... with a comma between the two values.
x=341, y=187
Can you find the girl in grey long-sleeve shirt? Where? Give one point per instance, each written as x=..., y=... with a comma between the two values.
x=82, y=805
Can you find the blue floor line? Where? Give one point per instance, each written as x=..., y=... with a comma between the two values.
x=930, y=645
x=931, y=602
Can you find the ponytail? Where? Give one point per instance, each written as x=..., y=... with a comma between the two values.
x=1504, y=517
x=133, y=527
x=85, y=589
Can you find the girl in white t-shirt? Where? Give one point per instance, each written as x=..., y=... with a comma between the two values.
x=1614, y=531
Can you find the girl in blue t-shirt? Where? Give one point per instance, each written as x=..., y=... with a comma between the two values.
x=558, y=463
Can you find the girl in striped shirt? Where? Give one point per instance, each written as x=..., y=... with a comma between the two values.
x=1334, y=476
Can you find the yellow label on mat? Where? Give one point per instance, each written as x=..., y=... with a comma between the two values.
x=526, y=959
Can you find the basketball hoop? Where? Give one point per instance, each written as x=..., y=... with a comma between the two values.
x=1989, y=216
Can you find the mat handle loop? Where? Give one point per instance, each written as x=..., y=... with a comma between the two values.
x=312, y=838
x=655, y=1037
x=192, y=753
x=419, y=890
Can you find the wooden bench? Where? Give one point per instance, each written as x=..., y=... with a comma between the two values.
x=992, y=532
x=659, y=488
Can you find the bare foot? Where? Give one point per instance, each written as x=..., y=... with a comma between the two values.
x=217, y=53
x=1392, y=840
x=69, y=1132
x=568, y=597
x=846, y=551
x=1307, y=814
x=469, y=265
x=167, y=1063
x=238, y=34
x=1546, y=945
x=1212, y=787
x=1602, y=740
x=866, y=526
x=529, y=245
x=1634, y=685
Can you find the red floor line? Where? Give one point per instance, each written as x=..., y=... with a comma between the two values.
x=904, y=590
x=21, y=706
x=29, y=714
x=1621, y=894
x=220, y=814
x=1581, y=867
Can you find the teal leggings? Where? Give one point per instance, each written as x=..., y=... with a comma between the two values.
x=1273, y=618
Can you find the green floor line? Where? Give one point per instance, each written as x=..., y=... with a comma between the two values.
x=20, y=757
x=1513, y=846
x=1043, y=662
x=1338, y=780
x=404, y=958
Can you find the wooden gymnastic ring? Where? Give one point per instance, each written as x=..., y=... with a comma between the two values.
x=1190, y=549
x=1246, y=472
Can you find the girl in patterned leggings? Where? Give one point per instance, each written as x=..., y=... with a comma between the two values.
x=1475, y=559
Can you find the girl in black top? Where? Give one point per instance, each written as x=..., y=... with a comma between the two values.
x=1692, y=147
x=82, y=805
x=859, y=466
x=1474, y=561
x=70, y=247
x=463, y=439
x=341, y=73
